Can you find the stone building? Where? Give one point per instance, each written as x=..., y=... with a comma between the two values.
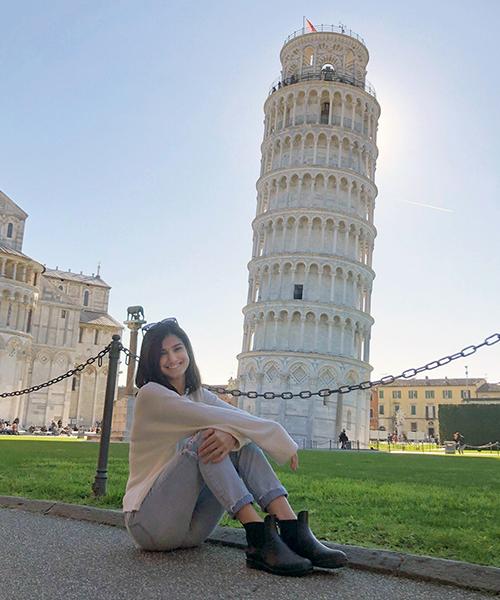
x=416, y=403
x=307, y=320
x=50, y=321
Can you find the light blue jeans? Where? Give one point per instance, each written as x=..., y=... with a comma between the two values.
x=189, y=497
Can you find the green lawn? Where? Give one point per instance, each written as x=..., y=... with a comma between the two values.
x=446, y=506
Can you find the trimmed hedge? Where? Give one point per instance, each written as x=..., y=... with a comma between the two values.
x=478, y=424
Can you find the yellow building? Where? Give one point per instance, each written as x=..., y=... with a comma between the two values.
x=410, y=407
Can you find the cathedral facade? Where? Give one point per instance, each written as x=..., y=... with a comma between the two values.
x=50, y=321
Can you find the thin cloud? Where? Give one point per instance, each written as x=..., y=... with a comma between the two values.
x=428, y=206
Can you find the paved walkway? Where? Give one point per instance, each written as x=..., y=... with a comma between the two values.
x=44, y=557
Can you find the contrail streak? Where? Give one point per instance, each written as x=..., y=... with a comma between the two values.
x=428, y=206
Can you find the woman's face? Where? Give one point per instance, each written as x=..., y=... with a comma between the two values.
x=174, y=359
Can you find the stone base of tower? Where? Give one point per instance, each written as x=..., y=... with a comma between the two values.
x=312, y=422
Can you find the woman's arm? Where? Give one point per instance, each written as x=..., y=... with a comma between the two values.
x=169, y=412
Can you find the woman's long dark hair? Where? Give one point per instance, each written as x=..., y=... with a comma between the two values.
x=149, y=361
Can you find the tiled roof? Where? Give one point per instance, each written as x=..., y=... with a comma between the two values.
x=79, y=277
x=435, y=382
x=91, y=317
x=7, y=203
x=489, y=387
x=7, y=250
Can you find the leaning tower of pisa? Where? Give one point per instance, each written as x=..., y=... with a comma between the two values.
x=307, y=320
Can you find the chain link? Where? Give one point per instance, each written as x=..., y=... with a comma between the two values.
x=59, y=378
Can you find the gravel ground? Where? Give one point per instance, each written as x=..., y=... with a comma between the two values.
x=44, y=557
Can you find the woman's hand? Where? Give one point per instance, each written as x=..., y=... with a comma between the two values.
x=294, y=462
x=216, y=445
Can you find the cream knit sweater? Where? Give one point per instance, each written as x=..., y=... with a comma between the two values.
x=162, y=418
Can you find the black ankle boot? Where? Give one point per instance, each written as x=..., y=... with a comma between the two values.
x=267, y=551
x=297, y=536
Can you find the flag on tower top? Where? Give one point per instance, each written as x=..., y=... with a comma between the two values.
x=310, y=26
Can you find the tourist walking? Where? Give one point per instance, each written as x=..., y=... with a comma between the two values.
x=343, y=439
x=193, y=457
x=459, y=442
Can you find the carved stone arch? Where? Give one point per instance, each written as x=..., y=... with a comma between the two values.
x=270, y=314
x=319, y=183
x=62, y=358
x=307, y=183
x=251, y=371
x=313, y=268
x=351, y=377
x=89, y=371
x=322, y=140
x=43, y=357
x=311, y=314
x=299, y=372
x=327, y=376
x=312, y=96
x=310, y=140
x=271, y=371
x=317, y=222
x=326, y=269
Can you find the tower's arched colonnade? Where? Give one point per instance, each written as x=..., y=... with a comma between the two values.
x=307, y=320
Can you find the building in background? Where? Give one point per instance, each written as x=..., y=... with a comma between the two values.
x=307, y=320
x=412, y=406
x=50, y=321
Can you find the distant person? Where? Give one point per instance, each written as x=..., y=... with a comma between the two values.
x=193, y=457
x=459, y=440
x=343, y=439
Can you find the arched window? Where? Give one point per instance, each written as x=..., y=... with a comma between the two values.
x=328, y=71
x=325, y=112
x=10, y=230
x=308, y=57
x=86, y=295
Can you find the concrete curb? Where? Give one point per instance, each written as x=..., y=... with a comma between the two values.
x=461, y=574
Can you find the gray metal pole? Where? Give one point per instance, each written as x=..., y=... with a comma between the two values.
x=101, y=478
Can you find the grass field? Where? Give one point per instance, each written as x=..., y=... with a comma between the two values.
x=446, y=506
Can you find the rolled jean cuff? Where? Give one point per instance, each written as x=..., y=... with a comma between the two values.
x=247, y=499
x=265, y=500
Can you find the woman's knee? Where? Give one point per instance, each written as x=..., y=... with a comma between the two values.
x=251, y=448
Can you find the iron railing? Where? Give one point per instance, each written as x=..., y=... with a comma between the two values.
x=325, y=28
x=336, y=75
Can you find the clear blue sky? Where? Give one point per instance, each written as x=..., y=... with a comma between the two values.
x=131, y=135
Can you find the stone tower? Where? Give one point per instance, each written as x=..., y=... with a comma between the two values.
x=307, y=320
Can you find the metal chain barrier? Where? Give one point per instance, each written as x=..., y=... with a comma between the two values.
x=70, y=373
x=344, y=389
x=305, y=394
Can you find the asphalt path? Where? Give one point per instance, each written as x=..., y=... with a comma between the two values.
x=44, y=557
